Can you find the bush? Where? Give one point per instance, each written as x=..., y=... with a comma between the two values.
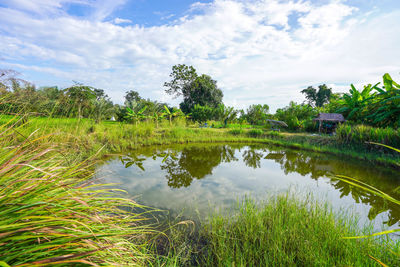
x=255, y=132
x=236, y=131
x=361, y=134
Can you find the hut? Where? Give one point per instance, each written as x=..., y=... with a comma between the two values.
x=276, y=124
x=329, y=121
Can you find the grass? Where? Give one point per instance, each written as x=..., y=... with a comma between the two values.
x=53, y=214
x=85, y=138
x=283, y=231
x=361, y=134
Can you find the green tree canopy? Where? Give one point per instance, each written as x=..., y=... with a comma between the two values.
x=256, y=114
x=131, y=96
x=80, y=96
x=202, y=91
x=317, y=98
x=181, y=77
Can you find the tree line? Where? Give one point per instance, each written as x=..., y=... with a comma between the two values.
x=375, y=105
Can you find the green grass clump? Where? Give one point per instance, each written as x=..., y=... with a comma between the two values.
x=288, y=232
x=52, y=214
x=236, y=131
x=255, y=132
x=282, y=231
x=360, y=134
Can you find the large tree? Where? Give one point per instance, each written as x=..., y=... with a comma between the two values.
x=181, y=77
x=256, y=114
x=317, y=98
x=196, y=90
x=80, y=95
x=202, y=91
x=131, y=97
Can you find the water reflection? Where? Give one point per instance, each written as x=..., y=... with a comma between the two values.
x=183, y=165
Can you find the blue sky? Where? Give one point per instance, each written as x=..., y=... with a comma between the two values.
x=259, y=51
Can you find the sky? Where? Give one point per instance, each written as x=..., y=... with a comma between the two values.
x=259, y=51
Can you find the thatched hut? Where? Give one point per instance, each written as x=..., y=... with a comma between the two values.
x=331, y=121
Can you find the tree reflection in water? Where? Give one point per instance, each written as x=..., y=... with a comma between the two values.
x=182, y=166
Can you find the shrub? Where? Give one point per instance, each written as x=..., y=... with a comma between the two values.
x=255, y=132
x=236, y=131
x=361, y=134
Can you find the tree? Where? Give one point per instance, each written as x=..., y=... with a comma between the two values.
x=256, y=114
x=132, y=96
x=226, y=114
x=182, y=76
x=202, y=91
x=317, y=98
x=81, y=96
x=297, y=116
x=196, y=90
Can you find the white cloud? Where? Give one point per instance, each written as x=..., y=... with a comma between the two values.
x=121, y=21
x=251, y=47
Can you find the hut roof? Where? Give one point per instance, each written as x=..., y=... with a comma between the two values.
x=281, y=123
x=329, y=117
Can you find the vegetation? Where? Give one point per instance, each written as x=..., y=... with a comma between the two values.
x=318, y=98
x=53, y=213
x=282, y=231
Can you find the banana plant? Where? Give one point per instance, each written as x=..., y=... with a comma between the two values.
x=157, y=116
x=170, y=114
x=386, y=111
x=355, y=101
x=135, y=116
x=226, y=114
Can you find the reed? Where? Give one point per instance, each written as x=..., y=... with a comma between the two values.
x=54, y=215
x=361, y=134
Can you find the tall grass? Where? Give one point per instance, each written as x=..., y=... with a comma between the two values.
x=361, y=134
x=282, y=231
x=51, y=214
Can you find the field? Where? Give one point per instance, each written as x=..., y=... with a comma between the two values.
x=56, y=215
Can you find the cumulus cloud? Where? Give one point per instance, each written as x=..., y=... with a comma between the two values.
x=260, y=51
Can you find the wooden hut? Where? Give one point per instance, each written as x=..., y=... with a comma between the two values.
x=331, y=121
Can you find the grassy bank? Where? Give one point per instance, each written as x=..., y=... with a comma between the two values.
x=52, y=214
x=86, y=138
x=283, y=231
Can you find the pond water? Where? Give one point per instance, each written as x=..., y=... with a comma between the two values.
x=193, y=179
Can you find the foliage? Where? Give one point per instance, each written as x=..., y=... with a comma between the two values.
x=131, y=115
x=256, y=114
x=362, y=134
x=131, y=96
x=283, y=231
x=80, y=97
x=202, y=113
x=171, y=113
x=236, y=131
x=255, y=132
x=52, y=215
x=297, y=116
x=202, y=91
x=181, y=77
x=373, y=105
x=226, y=114
x=317, y=98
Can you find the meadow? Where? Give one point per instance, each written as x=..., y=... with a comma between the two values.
x=54, y=214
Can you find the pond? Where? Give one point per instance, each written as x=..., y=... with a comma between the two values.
x=193, y=179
